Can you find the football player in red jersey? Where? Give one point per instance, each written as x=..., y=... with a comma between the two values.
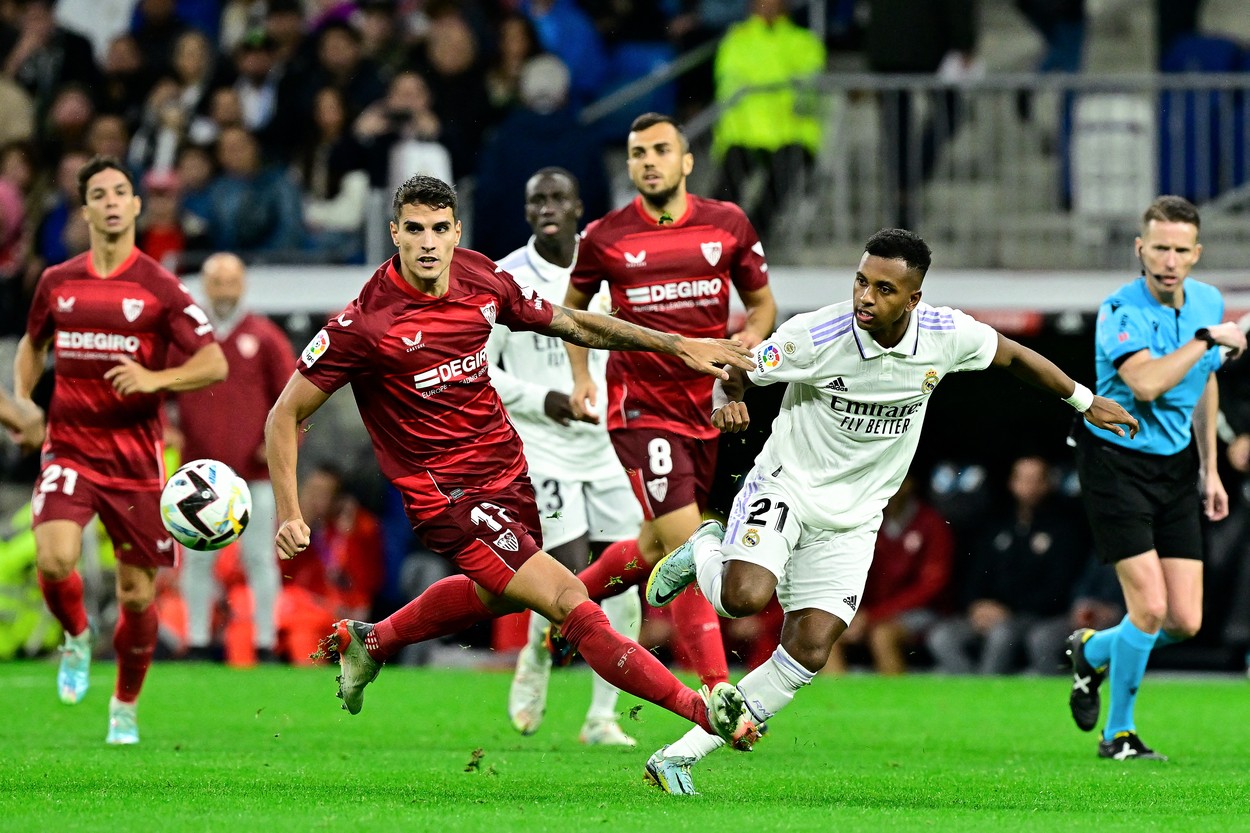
x=669, y=259
x=413, y=347
x=111, y=317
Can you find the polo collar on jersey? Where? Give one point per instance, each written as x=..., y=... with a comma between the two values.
x=122, y=267
x=677, y=221
x=907, y=345
x=545, y=269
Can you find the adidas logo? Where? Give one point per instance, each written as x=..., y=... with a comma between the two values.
x=851, y=601
x=837, y=385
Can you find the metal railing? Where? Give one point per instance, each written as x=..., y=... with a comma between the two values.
x=1019, y=171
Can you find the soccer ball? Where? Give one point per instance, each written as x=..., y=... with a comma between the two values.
x=205, y=505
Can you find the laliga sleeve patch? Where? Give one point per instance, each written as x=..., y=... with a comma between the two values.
x=316, y=348
x=767, y=357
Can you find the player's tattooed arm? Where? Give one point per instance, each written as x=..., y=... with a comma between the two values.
x=588, y=329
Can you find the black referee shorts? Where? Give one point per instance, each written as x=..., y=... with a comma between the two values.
x=1138, y=502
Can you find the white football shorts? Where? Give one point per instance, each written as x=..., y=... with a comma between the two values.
x=818, y=568
x=570, y=508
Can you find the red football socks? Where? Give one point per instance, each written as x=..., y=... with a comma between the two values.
x=619, y=567
x=134, y=640
x=446, y=607
x=64, y=600
x=628, y=666
x=697, y=632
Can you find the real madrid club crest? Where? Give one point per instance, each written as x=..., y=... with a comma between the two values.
x=930, y=381
x=789, y=348
x=751, y=538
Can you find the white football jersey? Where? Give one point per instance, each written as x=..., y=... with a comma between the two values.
x=851, y=416
x=526, y=365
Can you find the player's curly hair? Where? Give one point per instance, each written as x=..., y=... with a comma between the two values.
x=901, y=244
x=424, y=190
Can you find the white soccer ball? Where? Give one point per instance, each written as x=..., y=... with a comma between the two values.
x=205, y=505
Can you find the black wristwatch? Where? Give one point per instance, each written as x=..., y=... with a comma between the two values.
x=1205, y=335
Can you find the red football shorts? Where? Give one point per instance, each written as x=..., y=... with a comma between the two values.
x=667, y=471
x=131, y=517
x=488, y=535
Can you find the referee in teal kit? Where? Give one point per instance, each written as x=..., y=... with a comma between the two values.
x=1156, y=355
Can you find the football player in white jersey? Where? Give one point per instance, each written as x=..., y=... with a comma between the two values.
x=805, y=522
x=584, y=496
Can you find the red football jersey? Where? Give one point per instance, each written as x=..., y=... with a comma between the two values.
x=673, y=277
x=140, y=311
x=226, y=421
x=417, y=366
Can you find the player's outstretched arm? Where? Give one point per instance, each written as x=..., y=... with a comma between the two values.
x=299, y=400
x=589, y=329
x=729, y=412
x=1039, y=371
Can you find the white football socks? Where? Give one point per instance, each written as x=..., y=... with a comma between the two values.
x=709, y=569
x=770, y=688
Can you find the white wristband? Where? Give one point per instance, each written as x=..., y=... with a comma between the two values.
x=1081, y=398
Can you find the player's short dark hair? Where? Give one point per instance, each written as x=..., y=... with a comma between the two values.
x=901, y=244
x=1171, y=209
x=556, y=170
x=649, y=120
x=424, y=190
x=96, y=164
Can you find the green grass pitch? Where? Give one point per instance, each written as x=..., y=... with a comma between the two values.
x=269, y=750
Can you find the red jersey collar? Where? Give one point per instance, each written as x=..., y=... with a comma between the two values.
x=398, y=279
x=677, y=221
x=122, y=267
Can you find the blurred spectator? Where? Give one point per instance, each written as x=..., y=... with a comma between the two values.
x=44, y=57
x=382, y=37
x=910, y=570
x=225, y=109
x=1025, y=567
x=160, y=225
x=126, y=82
x=775, y=131
x=340, y=572
x=904, y=37
x=566, y=31
x=543, y=131
x=699, y=22
x=255, y=58
x=228, y=424
x=108, y=136
x=195, y=170
x=457, y=83
x=252, y=208
x=19, y=113
x=284, y=22
x=402, y=134
x=340, y=64
x=332, y=169
x=517, y=43
x=162, y=127
x=157, y=26
x=62, y=232
x=65, y=126
x=195, y=70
